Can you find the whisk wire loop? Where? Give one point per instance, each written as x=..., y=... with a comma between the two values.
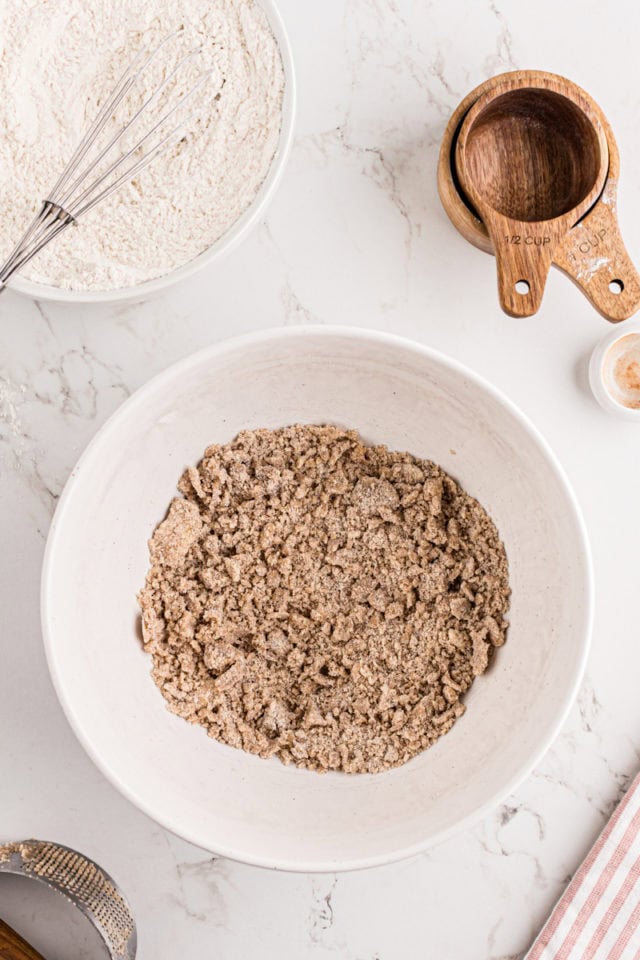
x=83, y=184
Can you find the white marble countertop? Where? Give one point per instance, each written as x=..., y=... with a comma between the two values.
x=356, y=235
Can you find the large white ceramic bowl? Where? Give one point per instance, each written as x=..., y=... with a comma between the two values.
x=258, y=811
x=229, y=240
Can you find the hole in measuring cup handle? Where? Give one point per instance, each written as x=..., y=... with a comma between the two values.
x=523, y=287
x=616, y=287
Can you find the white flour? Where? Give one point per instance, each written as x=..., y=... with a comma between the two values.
x=59, y=57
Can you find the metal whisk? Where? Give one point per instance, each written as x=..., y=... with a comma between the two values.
x=83, y=184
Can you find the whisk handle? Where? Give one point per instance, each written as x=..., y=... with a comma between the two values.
x=48, y=223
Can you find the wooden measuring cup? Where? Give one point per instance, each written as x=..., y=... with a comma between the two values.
x=532, y=158
x=592, y=254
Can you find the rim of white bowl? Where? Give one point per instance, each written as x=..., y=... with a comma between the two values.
x=243, y=855
x=233, y=236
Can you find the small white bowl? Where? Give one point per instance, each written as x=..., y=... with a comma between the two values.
x=601, y=368
x=259, y=811
x=230, y=240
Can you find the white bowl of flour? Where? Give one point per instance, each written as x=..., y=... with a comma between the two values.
x=258, y=810
x=190, y=206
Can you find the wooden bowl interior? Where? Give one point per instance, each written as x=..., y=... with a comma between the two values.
x=533, y=155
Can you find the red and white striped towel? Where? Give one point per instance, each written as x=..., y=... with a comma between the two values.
x=598, y=918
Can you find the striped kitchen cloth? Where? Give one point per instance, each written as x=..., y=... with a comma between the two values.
x=598, y=918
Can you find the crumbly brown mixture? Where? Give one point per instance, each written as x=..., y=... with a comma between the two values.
x=321, y=600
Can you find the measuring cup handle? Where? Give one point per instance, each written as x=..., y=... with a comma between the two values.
x=524, y=253
x=593, y=254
